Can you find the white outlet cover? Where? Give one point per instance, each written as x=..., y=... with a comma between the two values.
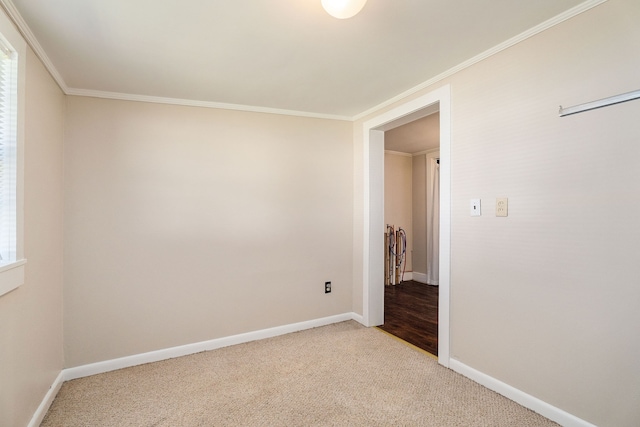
x=475, y=207
x=502, y=206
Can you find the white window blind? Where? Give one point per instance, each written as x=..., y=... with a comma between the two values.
x=13, y=49
x=8, y=158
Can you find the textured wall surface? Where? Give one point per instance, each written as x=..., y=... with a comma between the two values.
x=546, y=300
x=31, y=352
x=188, y=224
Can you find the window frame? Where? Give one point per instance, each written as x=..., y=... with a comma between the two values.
x=12, y=272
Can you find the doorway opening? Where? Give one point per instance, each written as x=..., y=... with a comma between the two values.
x=373, y=212
x=411, y=216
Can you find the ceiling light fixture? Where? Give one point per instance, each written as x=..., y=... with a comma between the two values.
x=343, y=9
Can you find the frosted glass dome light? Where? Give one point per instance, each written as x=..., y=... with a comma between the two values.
x=343, y=9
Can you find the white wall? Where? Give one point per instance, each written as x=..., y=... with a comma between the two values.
x=187, y=224
x=31, y=352
x=546, y=300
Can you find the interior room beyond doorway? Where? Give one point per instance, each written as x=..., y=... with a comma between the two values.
x=411, y=191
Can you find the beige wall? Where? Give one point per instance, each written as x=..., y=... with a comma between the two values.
x=188, y=224
x=31, y=352
x=419, y=215
x=397, y=197
x=546, y=300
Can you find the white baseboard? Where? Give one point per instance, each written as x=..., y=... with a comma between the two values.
x=554, y=414
x=357, y=317
x=169, y=353
x=420, y=277
x=524, y=399
x=184, y=350
x=38, y=416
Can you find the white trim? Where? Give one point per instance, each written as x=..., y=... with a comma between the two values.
x=30, y=38
x=11, y=276
x=432, y=150
x=22, y=26
x=543, y=408
x=405, y=277
x=169, y=353
x=373, y=308
x=430, y=163
x=373, y=222
x=583, y=7
x=357, y=318
x=398, y=153
x=518, y=396
x=419, y=277
x=12, y=273
x=196, y=103
x=184, y=350
x=38, y=416
x=366, y=202
x=12, y=265
x=444, y=291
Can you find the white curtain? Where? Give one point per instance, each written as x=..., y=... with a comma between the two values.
x=433, y=223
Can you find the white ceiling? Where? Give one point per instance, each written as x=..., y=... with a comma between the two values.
x=272, y=54
x=414, y=137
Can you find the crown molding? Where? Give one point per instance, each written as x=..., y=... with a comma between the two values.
x=398, y=153
x=426, y=152
x=582, y=7
x=196, y=103
x=31, y=40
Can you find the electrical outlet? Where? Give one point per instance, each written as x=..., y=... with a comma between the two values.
x=327, y=287
x=502, y=206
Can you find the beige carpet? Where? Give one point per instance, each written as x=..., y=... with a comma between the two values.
x=337, y=375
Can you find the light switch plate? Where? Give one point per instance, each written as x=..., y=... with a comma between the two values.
x=475, y=207
x=502, y=206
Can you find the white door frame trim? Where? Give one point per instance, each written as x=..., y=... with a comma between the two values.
x=373, y=212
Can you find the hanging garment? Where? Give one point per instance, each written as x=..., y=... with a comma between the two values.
x=433, y=226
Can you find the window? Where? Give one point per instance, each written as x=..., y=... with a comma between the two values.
x=7, y=158
x=12, y=53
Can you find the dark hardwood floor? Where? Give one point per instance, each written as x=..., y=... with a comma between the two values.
x=411, y=313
